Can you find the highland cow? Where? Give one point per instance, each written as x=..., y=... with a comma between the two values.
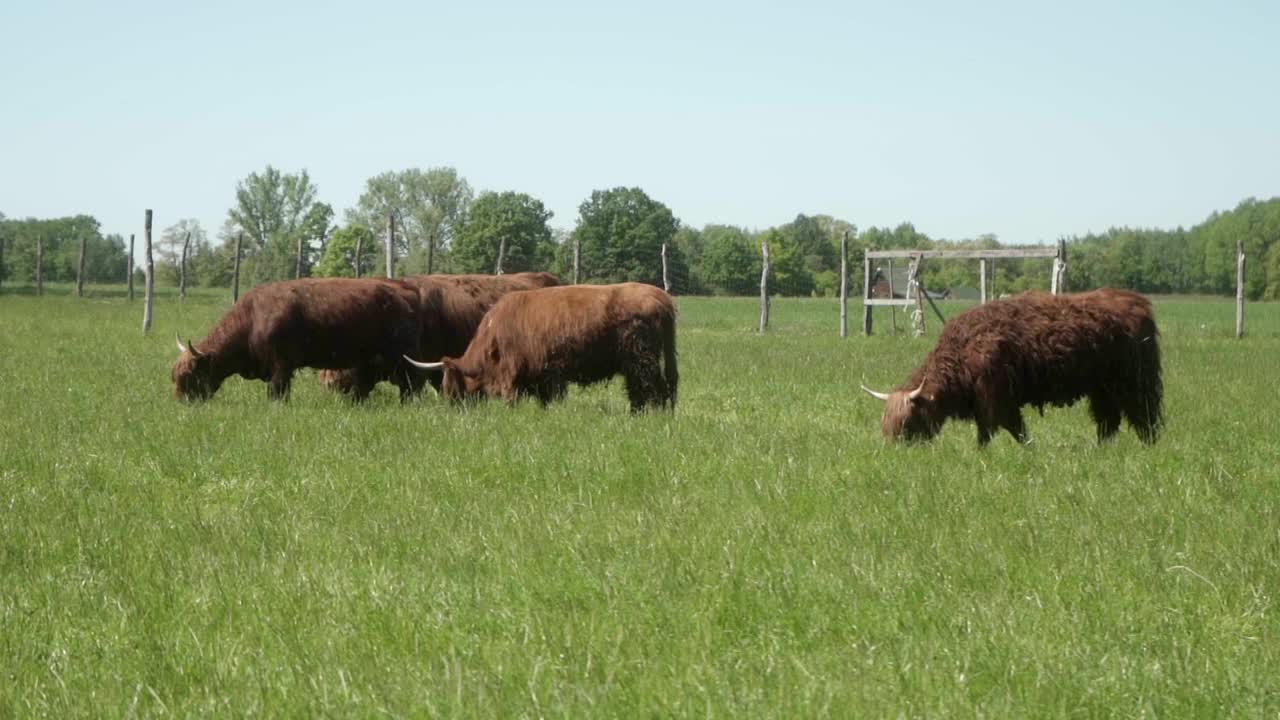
x=279, y=327
x=1036, y=349
x=450, y=308
x=535, y=343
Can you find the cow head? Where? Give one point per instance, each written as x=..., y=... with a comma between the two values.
x=911, y=415
x=193, y=378
x=457, y=385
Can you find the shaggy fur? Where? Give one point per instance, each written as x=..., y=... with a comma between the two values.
x=450, y=308
x=1037, y=349
x=538, y=342
x=279, y=327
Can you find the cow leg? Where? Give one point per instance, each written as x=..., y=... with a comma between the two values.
x=1016, y=427
x=1141, y=418
x=409, y=381
x=984, y=433
x=1106, y=415
x=642, y=388
x=363, y=382
x=281, y=381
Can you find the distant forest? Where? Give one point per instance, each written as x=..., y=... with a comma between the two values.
x=442, y=226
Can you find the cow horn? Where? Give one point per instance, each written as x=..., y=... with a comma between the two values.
x=876, y=395
x=424, y=365
x=916, y=393
x=190, y=346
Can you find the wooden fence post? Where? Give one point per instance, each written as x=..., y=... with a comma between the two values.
x=182, y=269
x=666, y=279
x=982, y=281
x=577, y=254
x=130, y=269
x=297, y=268
x=913, y=281
x=40, y=264
x=866, y=295
x=1060, y=267
x=1239, y=289
x=844, y=285
x=893, y=309
x=359, y=248
x=150, y=291
x=84, y=243
x=391, y=244
x=235, y=271
x=764, y=286
x=502, y=251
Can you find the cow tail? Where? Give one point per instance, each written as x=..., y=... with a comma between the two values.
x=670, y=370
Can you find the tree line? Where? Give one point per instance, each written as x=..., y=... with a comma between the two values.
x=442, y=225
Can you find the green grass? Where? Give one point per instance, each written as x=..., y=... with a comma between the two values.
x=763, y=553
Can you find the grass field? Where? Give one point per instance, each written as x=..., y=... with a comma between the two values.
x=761, y=553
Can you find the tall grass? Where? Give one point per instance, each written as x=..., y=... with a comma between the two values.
x=760, y=553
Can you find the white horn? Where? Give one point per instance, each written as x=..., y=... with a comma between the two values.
x=181, y=348
x=876, y=395
x=916, y=393
x=424, y=365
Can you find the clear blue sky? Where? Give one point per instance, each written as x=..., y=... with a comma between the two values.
x=1025, y=119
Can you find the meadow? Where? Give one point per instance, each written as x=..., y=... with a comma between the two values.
x=760, y=553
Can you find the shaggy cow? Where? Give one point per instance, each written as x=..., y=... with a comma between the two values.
x=537, y=342
x=279, y=327
x=450, y=308
x=1036, y=349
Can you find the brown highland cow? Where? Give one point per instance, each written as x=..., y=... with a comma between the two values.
x=537, y=342
x=450, y=308
x=278, y=327
x=1036, y=349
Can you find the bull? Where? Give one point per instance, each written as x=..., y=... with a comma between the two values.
x=1036, y=349
x=535, y=343
x=450, y=308
x=279, y=327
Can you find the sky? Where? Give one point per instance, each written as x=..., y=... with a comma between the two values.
x=1029, y=120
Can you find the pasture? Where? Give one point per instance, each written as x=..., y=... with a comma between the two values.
x=761, y=553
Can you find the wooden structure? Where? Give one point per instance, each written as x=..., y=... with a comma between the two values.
x=129, y=276
x=149, y=289
x=917, y=258
x=764, y=286
x=1239, y=289
x=666, y=279
x=235, y=270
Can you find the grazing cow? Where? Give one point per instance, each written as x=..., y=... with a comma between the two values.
x=538, y=341
x=450, y=308
x=1036, y=349
x=279, y=327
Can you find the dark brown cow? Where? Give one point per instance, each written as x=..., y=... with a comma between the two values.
x=538, y=341
x=1036, y=349
x=450, y=310
x=279, y=327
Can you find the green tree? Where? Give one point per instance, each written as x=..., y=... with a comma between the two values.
x=270, y=209
x=312, y=235
x=168, y=250
x=731, y=260
x=813, y=242
x=516, y=217
x=340, y=253
x=104, y=256
x=688, y=242
x=621, y=232
x=788, y=274
x=429, y=207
